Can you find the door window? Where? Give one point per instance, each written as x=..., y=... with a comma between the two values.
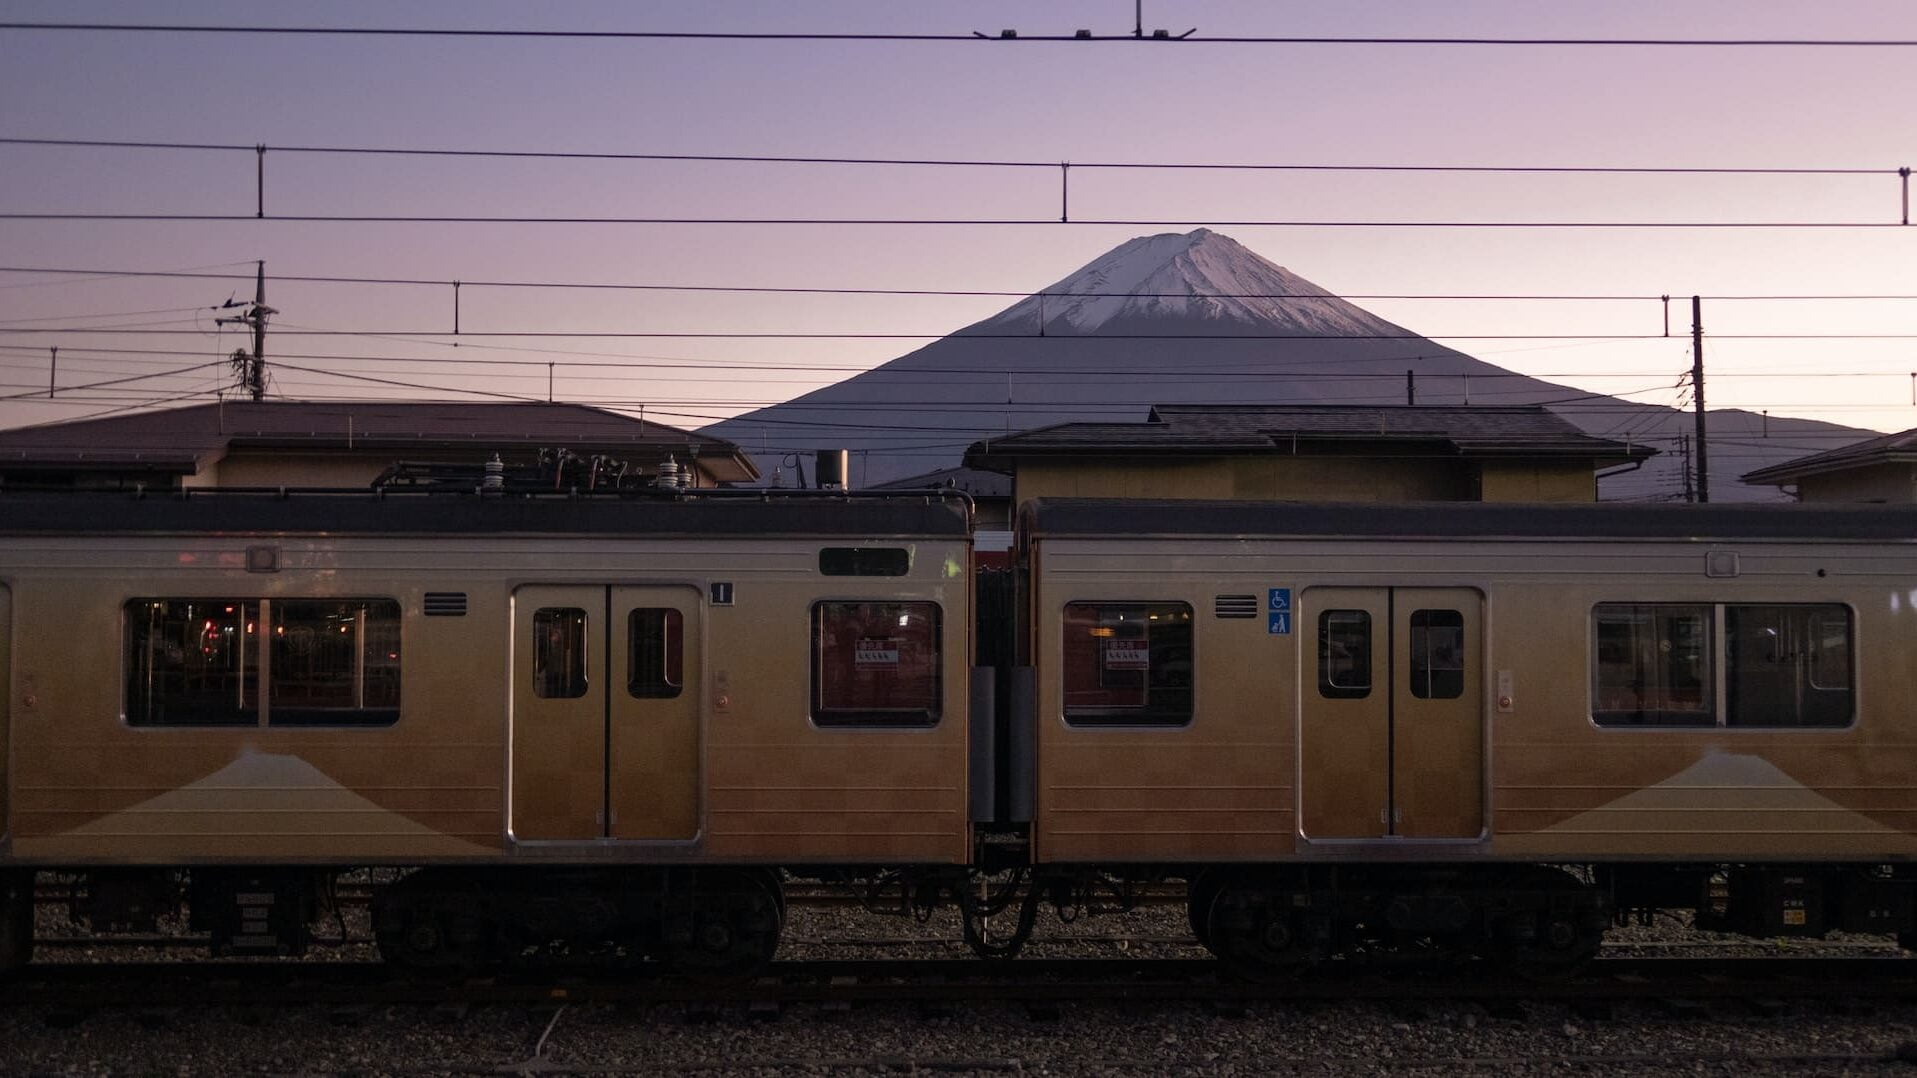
x=655, y=657
x=1437, y=654
x=559, y=653
x=1344, y=654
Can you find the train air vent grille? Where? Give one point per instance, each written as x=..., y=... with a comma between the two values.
x=1235, y=606
x=445, y=604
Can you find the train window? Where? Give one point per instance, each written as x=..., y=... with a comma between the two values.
x=559, y=653
x=334, y=662
x=875, y=664
x=1787, y=665
x=1653, y=665
x=1128, y=664
x=202, y=662
x=192, y=662
x=864, y=561
x=1344, y=654
x=1437, y=654
x=655, y=656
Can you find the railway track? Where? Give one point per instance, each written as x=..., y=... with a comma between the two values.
x=1763, y=981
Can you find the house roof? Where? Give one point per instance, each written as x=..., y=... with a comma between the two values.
x=1523, y=431
x=979, y=484
x=185, y=440
x=1890, y=449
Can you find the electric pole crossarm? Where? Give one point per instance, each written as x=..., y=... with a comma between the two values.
x=252, y=368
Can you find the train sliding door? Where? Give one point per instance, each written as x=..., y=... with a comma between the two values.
x=605, y=713
x=653, y=730
x=1391, y=721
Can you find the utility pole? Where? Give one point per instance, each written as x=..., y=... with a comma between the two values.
x=1702, y=457
x=53, y=372
x=252, y=367
x=1684, y=452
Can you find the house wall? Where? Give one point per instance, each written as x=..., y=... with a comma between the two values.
x=1890, y=482
x=1321, y=479
x=250, y=469
x=1525, y=482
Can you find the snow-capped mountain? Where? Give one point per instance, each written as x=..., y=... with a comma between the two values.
x=1201, y=277
x=1198, y=318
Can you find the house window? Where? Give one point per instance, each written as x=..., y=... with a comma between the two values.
x=1128, y=664
x=875, y=664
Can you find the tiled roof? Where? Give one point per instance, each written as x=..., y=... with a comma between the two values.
x=1890, y=448
x=184, y=439
x=979, y=484
x=1525, y=431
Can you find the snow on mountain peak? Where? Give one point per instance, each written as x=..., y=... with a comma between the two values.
x=1200, y=275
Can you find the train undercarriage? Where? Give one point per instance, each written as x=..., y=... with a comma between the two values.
x=1261, y=921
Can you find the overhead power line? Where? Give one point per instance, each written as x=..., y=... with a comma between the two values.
x=1025, y=374
x=989, y=293
x=950, y=162
x=116, y=381
x=1007, y=37
x=258, y=152
x=1030, y=336
x=1110, y=222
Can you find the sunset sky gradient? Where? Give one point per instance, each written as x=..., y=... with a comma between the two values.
x=1114, y=101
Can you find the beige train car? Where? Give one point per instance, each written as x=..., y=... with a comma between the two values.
x=1354, y=724
x=510, y=691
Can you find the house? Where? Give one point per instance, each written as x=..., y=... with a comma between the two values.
x=1876, y=470
x=1313, y=453
x=326, y=444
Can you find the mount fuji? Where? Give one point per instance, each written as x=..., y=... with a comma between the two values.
x=1197, y=318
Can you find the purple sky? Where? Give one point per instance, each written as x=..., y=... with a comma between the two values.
x=1124, y=101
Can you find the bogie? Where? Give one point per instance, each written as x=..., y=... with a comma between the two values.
x=702, y=922
x=1274, y=923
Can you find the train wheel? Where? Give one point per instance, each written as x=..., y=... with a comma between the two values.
x=733, y=926
x=16, y=921
x=426, y=928
x=1561, y=936
x=1258, y=934
x=1200, y=892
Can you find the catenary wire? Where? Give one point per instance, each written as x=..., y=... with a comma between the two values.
x=954, y=162
x=783, y=336
x=937, y=38
x=968, y=222
x=935, y=292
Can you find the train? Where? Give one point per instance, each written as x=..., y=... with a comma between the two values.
x=615, y=726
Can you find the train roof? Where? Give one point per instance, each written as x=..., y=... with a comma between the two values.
x=1089, y=517
x=704, y=513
